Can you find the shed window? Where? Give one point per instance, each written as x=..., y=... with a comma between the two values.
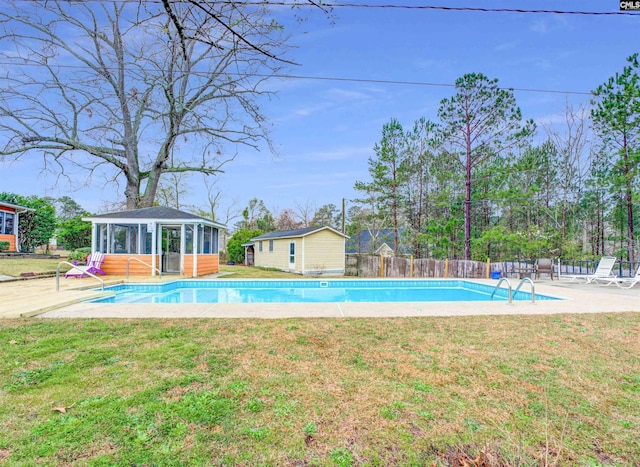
x=270, y=245
x=6, y=226
x=260, y=245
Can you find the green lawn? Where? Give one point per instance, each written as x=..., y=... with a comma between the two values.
x=16, y=266
x=527, y=390
x=244, y=272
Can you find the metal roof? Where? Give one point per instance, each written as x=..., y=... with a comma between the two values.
x=295, y=233
x=154, y=213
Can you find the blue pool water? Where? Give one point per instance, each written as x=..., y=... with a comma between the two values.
x=309, y=291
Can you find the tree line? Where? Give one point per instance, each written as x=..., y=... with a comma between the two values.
x=475, y=184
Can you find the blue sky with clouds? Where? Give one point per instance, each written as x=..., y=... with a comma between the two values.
x=324, y=131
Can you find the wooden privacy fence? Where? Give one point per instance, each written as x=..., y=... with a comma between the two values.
x=394, y=266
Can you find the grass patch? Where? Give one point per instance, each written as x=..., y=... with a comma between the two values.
x=498, y=391
x=16, y=266
x=244, y=272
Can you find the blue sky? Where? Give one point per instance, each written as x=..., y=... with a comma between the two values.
x=324, y=131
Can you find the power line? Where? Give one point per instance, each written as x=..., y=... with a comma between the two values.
x=317, y=4
x=415, y=83
x=330, y=78
x=448, y=8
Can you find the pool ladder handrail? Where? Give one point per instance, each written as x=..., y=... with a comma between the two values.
x=504, y=279
x=73, y=266
x=146, y=264
x=533, y=288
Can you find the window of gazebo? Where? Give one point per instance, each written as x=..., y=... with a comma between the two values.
x=123, y=238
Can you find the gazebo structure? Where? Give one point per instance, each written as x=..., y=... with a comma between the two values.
x=160, y=238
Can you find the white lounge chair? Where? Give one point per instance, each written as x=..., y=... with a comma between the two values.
x=602, y=272
x=94, y=265
x=622, y=282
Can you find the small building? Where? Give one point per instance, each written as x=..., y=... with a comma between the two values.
x=9, y=221
x=311, y=251
x=160, y=238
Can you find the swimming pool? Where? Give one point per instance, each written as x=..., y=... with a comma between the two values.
x=310, y=291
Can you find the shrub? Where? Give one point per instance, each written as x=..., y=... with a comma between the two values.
x=74, y=233
x=234, y=245
x=80, y=254
x=4, y=246
x=223, y=256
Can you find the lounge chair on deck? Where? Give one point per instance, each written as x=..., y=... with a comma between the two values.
x=622, y=282
x=94, y=263
x=544, y=266
x=603, y=272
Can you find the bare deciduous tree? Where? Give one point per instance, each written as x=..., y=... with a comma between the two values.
x=172, y=189
x=218, y=211
x=286, y=220
x=122, y=89
x=304, y=212
x=573, y=147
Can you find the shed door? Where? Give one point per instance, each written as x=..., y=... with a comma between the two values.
x=292, y=255
x=171, y=249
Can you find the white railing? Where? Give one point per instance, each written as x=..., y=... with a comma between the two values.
x=142, y=262
x=504, y=279
x=533, y=288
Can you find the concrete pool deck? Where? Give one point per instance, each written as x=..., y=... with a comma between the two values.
x=38, y=298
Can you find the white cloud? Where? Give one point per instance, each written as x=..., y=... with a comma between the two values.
x=331, y=98
x=551, y=119
x=511, y=45
x=301, y=183
x=543, y=63
x=430, y=64
x=340, y=154
x=340, y=95
x=549, y=25
x=540, y=26
x=311, y=110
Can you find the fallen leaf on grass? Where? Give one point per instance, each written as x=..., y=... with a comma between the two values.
x=62, y=408
x=12, y=342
